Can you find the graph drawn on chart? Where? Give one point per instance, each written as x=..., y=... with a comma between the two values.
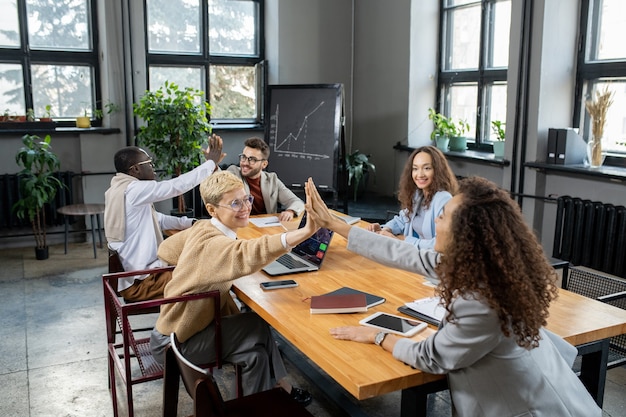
x=303, y=133
x=298, y=135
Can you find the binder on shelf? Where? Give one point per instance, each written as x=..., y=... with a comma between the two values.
x=571, y=148
x=552, y=138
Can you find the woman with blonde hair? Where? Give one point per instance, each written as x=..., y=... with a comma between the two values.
x=208, y=256
x=426, y=185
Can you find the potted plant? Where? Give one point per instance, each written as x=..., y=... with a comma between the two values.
x=358, y=167
x=497, y=127
x=84, y=121
x=47, y=115
x=443, y=129
x=38, y=186
x=176, y=129
x=458, y=140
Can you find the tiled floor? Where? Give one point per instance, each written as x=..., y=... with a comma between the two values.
x=53, y=360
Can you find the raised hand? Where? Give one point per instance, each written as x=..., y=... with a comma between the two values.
x=214, y=151
x=316, y=207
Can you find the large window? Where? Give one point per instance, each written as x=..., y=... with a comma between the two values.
x=48, y=58
x=601, y=64
x=211, y=45
x=474, y=45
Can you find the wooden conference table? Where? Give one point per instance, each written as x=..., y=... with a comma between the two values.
x=364, y=370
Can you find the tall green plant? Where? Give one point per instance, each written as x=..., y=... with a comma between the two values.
x=176, y=128
x=498, y=128
x=442, y=126
x=38, y=185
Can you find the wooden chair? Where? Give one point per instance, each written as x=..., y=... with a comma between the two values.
x=115, y=263
x=129, y=350
x=605, y=288
x=207, y=399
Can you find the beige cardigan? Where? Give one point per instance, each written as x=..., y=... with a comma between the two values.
x=208, y=260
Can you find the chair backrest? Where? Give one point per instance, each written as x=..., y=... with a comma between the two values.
x=116, y=310
x=115, y=263
x=199, y=383
x=608, y=289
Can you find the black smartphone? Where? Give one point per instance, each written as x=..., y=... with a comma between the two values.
x=274, y=285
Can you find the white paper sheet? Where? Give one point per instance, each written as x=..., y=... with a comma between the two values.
x=266, y=221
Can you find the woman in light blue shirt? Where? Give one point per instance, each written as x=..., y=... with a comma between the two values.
x=426, y=185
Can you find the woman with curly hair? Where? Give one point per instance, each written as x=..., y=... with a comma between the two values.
x=496, y=286
x=426, y=185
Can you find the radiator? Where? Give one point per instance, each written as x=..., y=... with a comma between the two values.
x=591, y=234
x=10, y=193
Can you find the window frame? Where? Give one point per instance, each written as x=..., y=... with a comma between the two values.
x=204, y=59
x=482, y=76
x=27, y=57
x=592, y=71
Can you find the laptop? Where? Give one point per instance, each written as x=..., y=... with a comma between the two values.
x=305, y=257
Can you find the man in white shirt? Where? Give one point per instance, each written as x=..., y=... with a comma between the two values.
x=134, y=228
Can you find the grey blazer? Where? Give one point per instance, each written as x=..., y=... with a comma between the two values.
x=488, y=373
x=274, y=192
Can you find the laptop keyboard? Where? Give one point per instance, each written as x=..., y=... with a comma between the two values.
x=289, y=262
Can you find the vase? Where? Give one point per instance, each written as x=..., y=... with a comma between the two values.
x=41, y=254
x=595, y=156
x=442, y=143
x=458, y=143
x=498, y=149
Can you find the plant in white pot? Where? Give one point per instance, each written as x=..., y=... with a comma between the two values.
x=443, y=129
x=497, y=127
x=38, y=186
x=176, y=129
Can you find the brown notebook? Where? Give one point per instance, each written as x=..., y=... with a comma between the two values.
x=345, y=303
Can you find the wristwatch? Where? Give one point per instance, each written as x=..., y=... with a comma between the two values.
x=378, y=339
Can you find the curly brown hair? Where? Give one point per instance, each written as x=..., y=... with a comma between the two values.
x=443, y=180
x=493, y=254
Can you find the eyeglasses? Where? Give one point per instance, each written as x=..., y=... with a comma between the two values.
x=149, y=161
x=251, y=159
x=237, y=205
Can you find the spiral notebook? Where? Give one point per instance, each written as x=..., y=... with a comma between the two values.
x=426, y=309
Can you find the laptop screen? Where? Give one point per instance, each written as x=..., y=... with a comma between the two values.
x=314, y=248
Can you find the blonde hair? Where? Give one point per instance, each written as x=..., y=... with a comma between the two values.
x=216, y=185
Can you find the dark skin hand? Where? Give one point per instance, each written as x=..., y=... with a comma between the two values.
x=214, y=150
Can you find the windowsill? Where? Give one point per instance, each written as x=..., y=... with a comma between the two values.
x=236, y=126
x=486, y=158
x=63, y=130
x=605, y=172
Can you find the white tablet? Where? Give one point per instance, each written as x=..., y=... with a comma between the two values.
x=394, y=324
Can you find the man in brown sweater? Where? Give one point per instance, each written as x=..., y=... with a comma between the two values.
x=208, y=257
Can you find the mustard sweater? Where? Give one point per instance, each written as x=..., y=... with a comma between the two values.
x=208, y=260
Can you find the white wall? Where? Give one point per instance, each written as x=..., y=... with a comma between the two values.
x=381, y=84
